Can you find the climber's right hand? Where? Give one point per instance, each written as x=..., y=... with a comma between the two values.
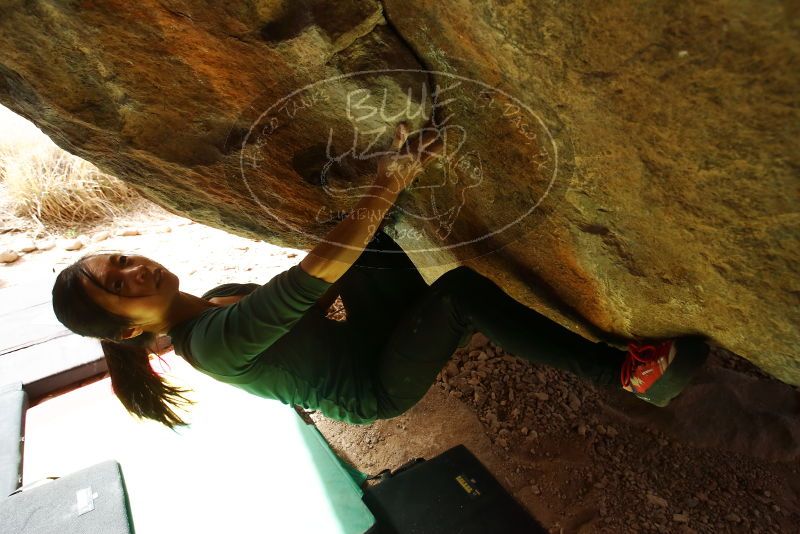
x=410, y=153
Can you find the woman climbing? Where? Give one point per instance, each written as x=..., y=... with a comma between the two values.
x=274, y=340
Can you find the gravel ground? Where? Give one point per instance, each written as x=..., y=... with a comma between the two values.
x=723, y=457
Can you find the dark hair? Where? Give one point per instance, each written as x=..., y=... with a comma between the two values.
x=140, y=389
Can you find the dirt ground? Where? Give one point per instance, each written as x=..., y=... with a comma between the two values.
x=723, y=457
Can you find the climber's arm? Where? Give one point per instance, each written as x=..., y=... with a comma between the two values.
x=342, y=246
x=331, y=258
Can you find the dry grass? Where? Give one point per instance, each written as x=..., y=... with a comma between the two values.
x=57, y=189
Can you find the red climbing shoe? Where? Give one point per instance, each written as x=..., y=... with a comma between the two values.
x=658, y=371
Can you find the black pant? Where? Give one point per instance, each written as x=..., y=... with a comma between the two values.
x=426, y=323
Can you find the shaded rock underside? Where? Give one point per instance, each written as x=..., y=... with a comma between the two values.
x=627, y=169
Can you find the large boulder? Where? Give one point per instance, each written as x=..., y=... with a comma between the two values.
x=626, y=168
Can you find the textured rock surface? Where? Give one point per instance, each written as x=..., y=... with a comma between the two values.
x=655, y=146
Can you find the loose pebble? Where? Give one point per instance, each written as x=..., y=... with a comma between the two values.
x=477, y=341
x=45, y=244
x=733, y=518
x=8, y=256
x=451, y=369
x=101, y=236
x=26, y=245
x=72, y=244
x=656, y=500
x=127, y=232
x=574, y=402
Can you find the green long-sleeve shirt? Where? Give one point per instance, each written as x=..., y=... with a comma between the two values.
x=274, y=343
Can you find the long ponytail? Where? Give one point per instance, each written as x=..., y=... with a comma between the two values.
x=139, y=388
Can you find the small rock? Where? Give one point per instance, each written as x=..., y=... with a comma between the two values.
x=72, y=244
x=291, y=255
x=541, y=395
x=582, y=429
x=127, y=232
x=45, y=244
x=611, y=431
x=26, y=245
x=601, y=430
x=8, y=256
x=535, y=489
x=168, y=229
x=656, y=500
x=574, y=402
x=733, y=518
x=101, y=236
x=478, y=340
x=683, y=53
x=680, y=518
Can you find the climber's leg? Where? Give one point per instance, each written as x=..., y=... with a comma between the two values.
x=461, y=302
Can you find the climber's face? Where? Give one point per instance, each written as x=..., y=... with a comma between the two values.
x=134, y=287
